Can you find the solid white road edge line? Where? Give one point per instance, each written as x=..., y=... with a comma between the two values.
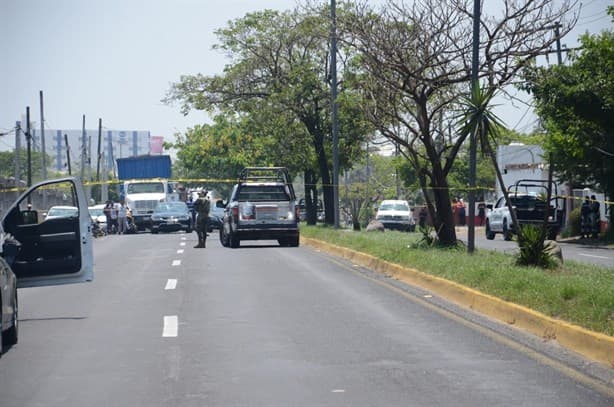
x=592, y=255
x=170, y=326
x=171, y=284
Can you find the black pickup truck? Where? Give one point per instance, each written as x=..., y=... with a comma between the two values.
x=262, y=206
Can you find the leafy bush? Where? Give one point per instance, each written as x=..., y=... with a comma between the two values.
x=574, y=222
x=533, y=251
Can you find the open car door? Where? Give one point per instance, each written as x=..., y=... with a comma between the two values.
x=51, y=250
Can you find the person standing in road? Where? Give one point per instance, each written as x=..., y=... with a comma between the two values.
x=481, y=213
x=202, y=207
x=460, y=205
x=110, y=210
x=122, y=213
x=596, y=221
x=586, y=218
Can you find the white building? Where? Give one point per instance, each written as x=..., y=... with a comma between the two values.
x=519, y=161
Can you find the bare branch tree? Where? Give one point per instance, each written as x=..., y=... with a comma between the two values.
x=416, y=64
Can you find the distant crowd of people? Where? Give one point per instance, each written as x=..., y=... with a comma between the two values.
x=117, y=216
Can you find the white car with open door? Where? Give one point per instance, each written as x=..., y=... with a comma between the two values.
x=36, y=252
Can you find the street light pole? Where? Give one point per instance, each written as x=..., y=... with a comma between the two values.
x=472, y=137
x=335, y=129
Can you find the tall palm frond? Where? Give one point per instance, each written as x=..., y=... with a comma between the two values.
x=478, y=119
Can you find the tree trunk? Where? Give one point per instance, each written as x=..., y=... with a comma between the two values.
x=311, y=196
x=444, y=217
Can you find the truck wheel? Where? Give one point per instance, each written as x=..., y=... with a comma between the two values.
x=490, y=235
x=507, y=234
x=294, y=242
x=11, y=335
x=234, y=240
x=223, y=237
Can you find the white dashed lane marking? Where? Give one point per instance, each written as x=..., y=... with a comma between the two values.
x=171, y=284
x=182, y=244
x=170, y=326
x=180, y=251
x=176, y=263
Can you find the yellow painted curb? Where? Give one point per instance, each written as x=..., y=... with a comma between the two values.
x=593, y=345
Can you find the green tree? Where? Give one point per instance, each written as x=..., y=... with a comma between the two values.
x=280, y=71
x=576, y=105
x=217, y=152
x=7, y=164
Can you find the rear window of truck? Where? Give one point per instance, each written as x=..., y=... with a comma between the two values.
x=263, y=193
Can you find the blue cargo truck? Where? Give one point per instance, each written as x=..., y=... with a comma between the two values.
x=145, y=182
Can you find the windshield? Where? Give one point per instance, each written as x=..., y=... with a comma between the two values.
x=171, y=207
x=394, y=207
x=62, y=212
x=96, y=211
x=145, y=188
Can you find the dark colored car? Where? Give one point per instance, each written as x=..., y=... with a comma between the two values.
x=171, y=217
x=216, y=217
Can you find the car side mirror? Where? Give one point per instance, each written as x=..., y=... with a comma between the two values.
x=29, y=217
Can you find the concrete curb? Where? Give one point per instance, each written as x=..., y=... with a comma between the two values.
x=592, y=345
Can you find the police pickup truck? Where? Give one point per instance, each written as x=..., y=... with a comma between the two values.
x=529, y=201
x=262, y=206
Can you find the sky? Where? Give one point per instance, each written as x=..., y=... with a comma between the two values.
x=116, y=59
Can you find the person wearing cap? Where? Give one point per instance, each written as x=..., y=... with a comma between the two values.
x=202, y=207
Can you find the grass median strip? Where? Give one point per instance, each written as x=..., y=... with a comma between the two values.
x=577, y=293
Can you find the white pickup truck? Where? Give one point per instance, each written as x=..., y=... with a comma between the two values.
x=262, y=206
x=528, y=199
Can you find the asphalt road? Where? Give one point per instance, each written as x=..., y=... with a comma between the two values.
x=164, y=324
x=582, y=251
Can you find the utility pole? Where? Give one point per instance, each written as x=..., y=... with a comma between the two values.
x=559, y=56
x=475, y=65
x=88, y=189
x=104, y=188
x=17, y=154
x=334, y=118
x=83, y=149
x=29, y=146
x=99, y=146
x=558, y=25
x=67, y=153
x=43, y=150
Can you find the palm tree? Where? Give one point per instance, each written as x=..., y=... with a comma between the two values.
x=478, y=119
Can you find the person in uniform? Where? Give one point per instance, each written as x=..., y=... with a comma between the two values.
x=202, y=206
x=586, y=225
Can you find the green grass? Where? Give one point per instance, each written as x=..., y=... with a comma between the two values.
x=577, y=293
